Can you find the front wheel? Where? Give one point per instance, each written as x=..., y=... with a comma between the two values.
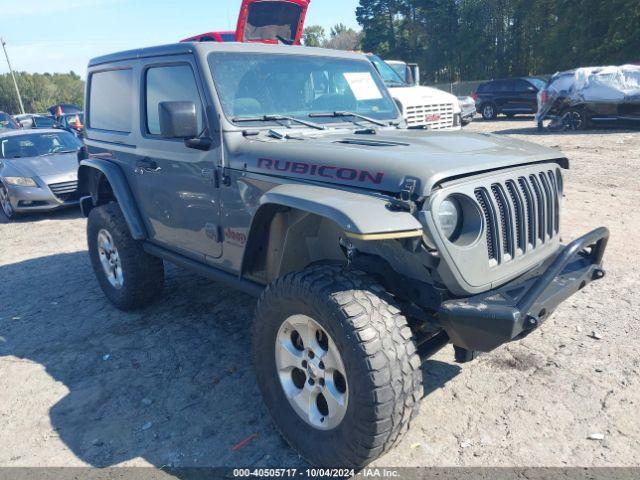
x=575, y=119
x=337, y=365
x=129, y=277
x=5, y=202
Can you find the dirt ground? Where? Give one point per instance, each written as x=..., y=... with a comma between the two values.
x=83, y=384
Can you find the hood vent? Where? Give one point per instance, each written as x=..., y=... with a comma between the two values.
x=371, y=143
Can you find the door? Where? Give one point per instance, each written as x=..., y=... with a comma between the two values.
x=272, y=21
x=176, y=185
x=525, y=97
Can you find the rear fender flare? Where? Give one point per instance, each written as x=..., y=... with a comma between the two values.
x=90, y=173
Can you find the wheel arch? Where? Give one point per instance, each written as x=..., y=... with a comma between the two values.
x=299, y=225
x=101, y=182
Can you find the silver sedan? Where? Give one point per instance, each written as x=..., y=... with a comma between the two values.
x=38, y=170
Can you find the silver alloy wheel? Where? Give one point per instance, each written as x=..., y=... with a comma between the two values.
x=5, y=203
x=110, y=259
x=311, y=372
x=488, y=111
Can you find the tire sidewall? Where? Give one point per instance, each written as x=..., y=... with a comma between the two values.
x=302, y=436
x=11, y=214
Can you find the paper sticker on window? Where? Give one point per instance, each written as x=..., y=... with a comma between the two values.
x=363, y=86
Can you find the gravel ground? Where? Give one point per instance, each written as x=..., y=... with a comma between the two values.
x=84, y=384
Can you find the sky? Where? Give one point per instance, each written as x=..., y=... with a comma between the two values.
x=60, y=36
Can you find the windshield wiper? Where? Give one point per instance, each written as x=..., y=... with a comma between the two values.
x=277, y=118
x=348, y=114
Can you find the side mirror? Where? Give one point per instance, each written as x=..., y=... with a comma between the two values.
x=533, y=89
x=178, y=119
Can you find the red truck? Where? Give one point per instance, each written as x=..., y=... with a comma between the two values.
x=265, y=21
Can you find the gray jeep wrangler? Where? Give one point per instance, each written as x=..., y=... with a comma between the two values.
x=286, y=172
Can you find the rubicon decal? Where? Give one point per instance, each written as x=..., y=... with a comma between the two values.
x=323, y=171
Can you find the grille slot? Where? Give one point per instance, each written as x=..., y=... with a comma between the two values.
x=541, y=208
x=518, y=214
x=506, y=221
x=436, y=117
x=490, y=221
x=65, y=191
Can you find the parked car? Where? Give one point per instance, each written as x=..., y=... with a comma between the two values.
x=34, y=120
x=73, y=123
x=421, y=107
x=286, y=173
x=38, y=171
x=264, y=21
x=8, y=123
x=585, y=97
x=63, y=109
x=509, y=97
x=468, y=109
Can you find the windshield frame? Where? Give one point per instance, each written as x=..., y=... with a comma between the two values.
x=267, y=124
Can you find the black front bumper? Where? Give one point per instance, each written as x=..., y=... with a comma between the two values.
x=486, y=321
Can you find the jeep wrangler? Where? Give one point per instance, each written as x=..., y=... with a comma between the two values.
x=288, y=173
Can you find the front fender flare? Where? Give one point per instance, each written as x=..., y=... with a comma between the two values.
x=120, y=188
x=361, y=216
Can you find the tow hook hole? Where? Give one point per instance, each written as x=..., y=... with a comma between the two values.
x=582, y=285
x=542, y=314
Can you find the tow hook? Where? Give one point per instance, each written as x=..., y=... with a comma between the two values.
x=599, y=274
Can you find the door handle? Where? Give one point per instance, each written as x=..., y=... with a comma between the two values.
x=147, y=165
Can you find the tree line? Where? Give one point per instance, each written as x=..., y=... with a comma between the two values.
x=39, y=91
x=461, y=40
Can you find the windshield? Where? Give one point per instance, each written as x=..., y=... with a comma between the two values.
x=255, y=85
x=38, y=144
x=43, y=122
x=388, y=74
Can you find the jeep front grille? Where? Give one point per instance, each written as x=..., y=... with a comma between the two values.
x=435, y=117
x=521, y=214
x=65, y=191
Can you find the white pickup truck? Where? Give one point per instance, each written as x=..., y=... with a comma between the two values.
x=422, y=107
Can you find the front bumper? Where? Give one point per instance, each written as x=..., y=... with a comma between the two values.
x=36, y=199
x=486, y=321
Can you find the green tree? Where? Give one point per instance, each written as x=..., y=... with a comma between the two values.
x=314, y=36
x=40, y=91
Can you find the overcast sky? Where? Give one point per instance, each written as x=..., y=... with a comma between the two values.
x=59, y=36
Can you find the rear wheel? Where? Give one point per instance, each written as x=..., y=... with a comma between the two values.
x=5, y=203
x=129, y=277
x=575, y=119
x=337, y=365
x=489, y=111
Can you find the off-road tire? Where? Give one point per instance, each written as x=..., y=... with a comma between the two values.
x=382, y=366
x=143, y=274
x=489, y=111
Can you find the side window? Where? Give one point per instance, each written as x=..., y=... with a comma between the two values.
x=110, y=105
x=174, y=83
x=522, y=86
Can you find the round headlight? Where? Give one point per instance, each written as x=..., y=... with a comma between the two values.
x=450, y=217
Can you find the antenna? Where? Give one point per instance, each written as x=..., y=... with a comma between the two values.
x=15, y=83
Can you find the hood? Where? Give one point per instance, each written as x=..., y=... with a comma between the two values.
x=384, y=161
x=409, y=96
x=62, y=167
x=271, y=21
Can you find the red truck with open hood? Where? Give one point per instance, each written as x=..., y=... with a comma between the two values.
x=265, y=21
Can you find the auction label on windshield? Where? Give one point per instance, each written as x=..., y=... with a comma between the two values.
x=363, y=86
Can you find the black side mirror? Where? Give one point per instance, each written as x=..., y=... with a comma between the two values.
x=178, y=119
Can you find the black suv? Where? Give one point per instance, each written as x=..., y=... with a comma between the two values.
x=510, y=97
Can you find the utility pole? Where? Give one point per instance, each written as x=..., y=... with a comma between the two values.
x=13, y=75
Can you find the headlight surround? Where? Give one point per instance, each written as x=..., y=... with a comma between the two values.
x=21, y=181
x=450, y=217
